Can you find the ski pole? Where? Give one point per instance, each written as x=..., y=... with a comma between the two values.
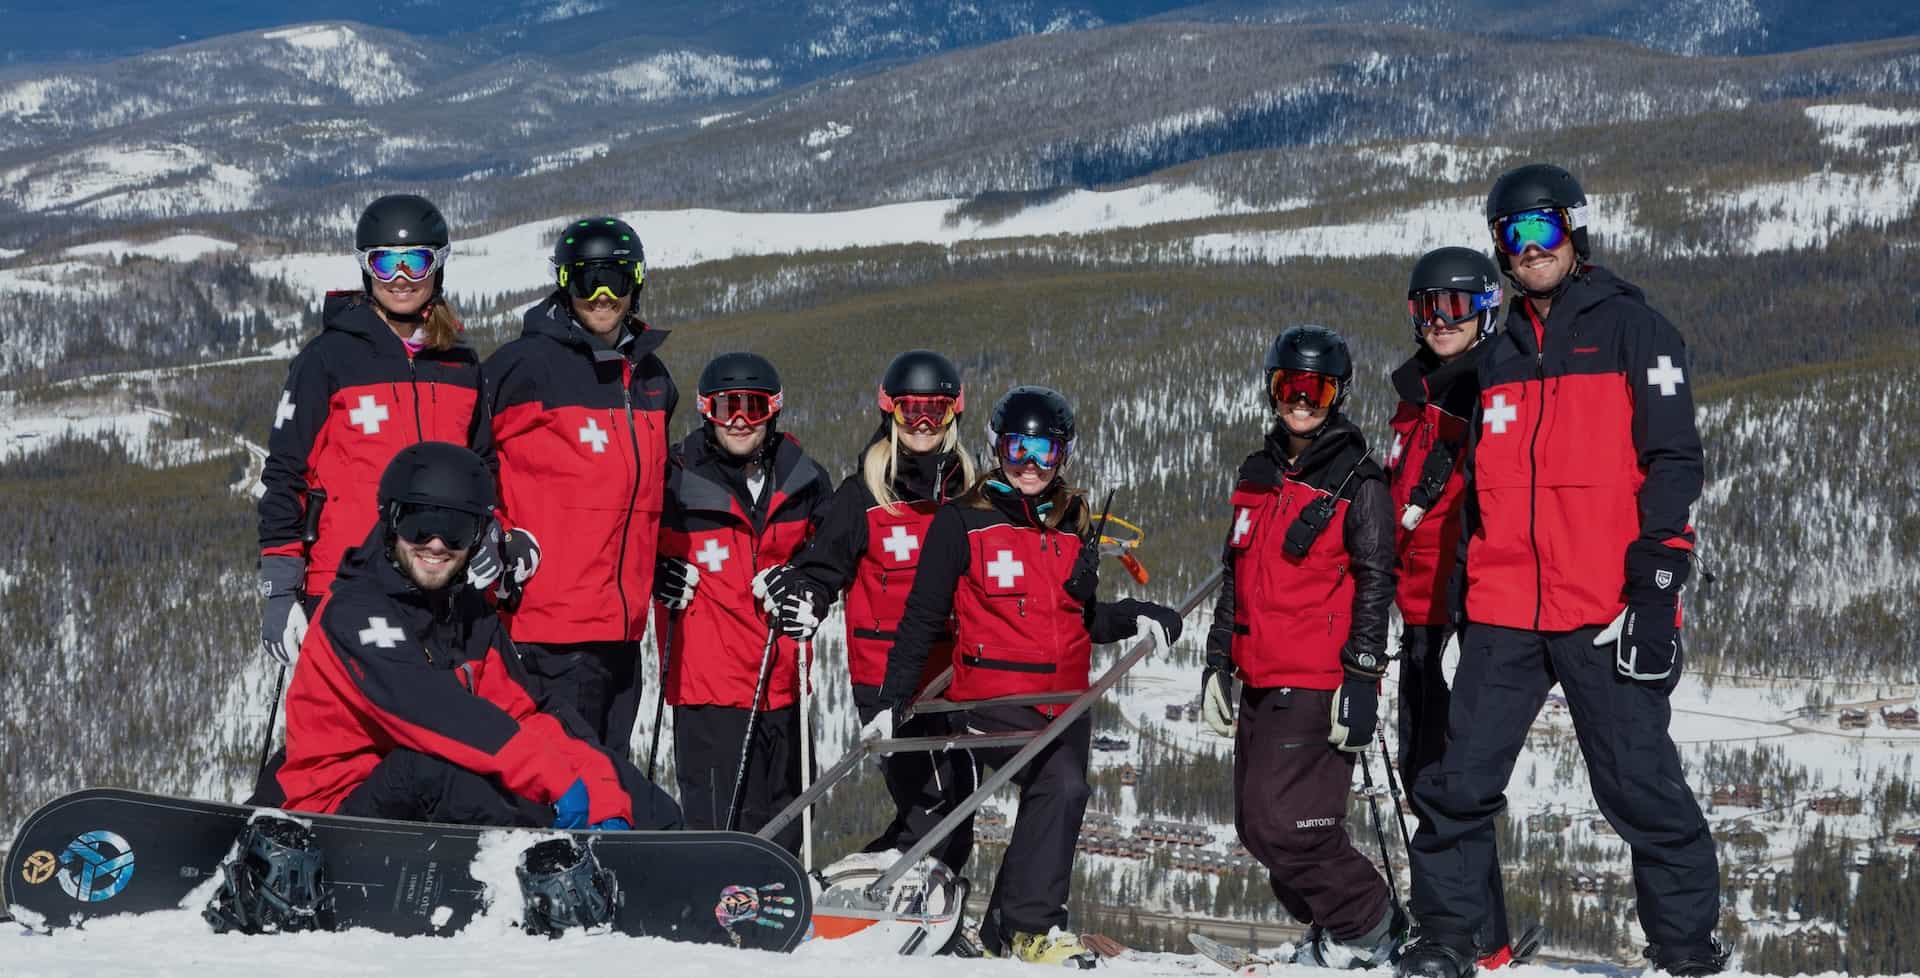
x=1393, y=785
x=1380, y=831
x=806, y=752
x=753, y=714
x=273, y=717
x=663, y=638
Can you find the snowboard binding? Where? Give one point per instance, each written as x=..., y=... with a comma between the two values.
x=563, y=885
x=276, y=885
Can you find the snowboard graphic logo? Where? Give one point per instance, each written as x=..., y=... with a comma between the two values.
x=762, y=905
x=38, y=868
x=96, y=866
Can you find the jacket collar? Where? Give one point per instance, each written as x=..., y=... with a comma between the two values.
x=1326, y=462
x=714, y=481
x=552, y=317
x=1424, y=379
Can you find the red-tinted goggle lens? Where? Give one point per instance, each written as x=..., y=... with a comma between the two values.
x=413, y=264
x=749, y=407
x=1319, y=390
x=1017, y=450
x=1546, y=229
x=923, y=410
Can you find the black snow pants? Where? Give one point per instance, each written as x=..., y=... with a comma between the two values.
x=706, y=760
x=415, y=787
x=1036, y=874
x=599, y=681
x=1621, y=725
x=1424, y=698
x=1290, y=789
x=925, y=785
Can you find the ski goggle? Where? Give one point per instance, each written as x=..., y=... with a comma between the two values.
x=1546, y=229
x=1015, y=450
x=588, y=280
x=1449, y=306
x=1317, y=389
x=920, y=410
x=417, y=523
x=412, y=264
x=750, y=408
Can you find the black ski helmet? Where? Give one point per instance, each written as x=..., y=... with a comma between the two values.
x=1538, y=186
x=401, y=220
x=435, y=474
x=922, y=372
x=739, y=371
x=598, y=239
x=1458, y=270
x=1315, y=349
x=1033, y=410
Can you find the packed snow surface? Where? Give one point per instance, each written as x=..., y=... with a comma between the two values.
x=178, y=247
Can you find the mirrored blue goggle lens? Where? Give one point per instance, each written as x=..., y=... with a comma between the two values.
x=1018, y=450
x=1544, y=229
x=387, y=264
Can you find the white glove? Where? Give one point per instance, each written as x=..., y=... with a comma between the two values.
x=878, y=728
x=1144, y=627
x=1216, y=702
x=1411, y=516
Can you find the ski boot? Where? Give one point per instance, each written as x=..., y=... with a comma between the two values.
x=1427, y=957
x=1690, y=961
x=277, y=884
x=1056, y=946
x=1373, y=949
x=1516, y=951
x=562, y=885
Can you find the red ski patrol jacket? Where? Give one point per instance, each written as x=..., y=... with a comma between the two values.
x=1426, y=467
x=1581, y=447
x=580, y=432
x=874, y=554
x=387, y=667
x=996, y=564
x=713, y=523
x=1308, y=621
x=355, y=397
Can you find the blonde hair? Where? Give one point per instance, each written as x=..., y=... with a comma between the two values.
x=882, y=462
x=443, y=325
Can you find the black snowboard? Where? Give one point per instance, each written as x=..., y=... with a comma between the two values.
x=105, y=851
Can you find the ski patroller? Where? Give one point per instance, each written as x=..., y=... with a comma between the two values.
x=863, y=904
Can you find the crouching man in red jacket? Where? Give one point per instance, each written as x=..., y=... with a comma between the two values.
x=408, y=700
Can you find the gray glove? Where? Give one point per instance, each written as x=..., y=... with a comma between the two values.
x=283, y=624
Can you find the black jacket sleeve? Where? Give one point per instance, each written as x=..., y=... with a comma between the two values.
x=1664, y=432
x=1368, y=535
x=943, y=561
x=298, y=418
x=833, y=554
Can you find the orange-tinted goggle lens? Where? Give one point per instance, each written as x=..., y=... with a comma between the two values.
x=923, y=410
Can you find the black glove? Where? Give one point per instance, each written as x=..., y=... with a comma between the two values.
x=674, y=581
x=283, y=622
x=483, y=563
x=1168, y=619
x=775, y=584
x=1646, y=635
x=1356, y=713
x=520, y=550
x=1216, y=694
x=797, y=615
x=1085, y=579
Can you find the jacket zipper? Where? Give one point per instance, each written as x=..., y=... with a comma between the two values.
x=1533, y=483
x=633, y=496
x=413, y=384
